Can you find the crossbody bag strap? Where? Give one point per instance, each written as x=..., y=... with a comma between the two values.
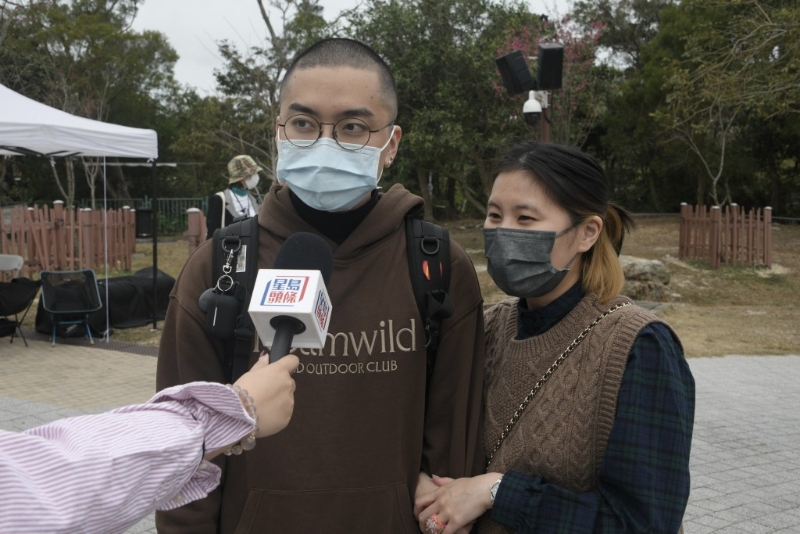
x=572, y=346
x=221, y=194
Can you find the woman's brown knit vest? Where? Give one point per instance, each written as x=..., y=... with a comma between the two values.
x=563, y=433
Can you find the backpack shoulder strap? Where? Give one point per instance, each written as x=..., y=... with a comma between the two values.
x=244, y=234
x=429, y=267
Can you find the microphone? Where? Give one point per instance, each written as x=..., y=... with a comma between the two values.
x=290, y=305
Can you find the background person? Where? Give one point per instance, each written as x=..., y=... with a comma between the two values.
x=364, y=433
x=603, y=446
x=102, y=473
x=237, y=200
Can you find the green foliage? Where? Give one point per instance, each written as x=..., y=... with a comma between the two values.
x=82, y=57
x=695, y=81
x=241, y=118
x=682, y=101
x=456, y=117
x=628, y=26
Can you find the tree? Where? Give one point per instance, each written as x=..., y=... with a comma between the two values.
x=457, y=119
x=628, y=26
x=249, y=83
x=756, y=43
x=82, y=57
x=754, y=47
x=739, y=60
x=627, y=139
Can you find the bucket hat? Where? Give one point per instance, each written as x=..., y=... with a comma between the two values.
x=241, y=168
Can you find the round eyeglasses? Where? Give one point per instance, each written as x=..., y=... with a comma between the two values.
x=349, y=133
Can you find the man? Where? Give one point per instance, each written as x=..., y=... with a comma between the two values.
x=363, y=440
x=236, y=200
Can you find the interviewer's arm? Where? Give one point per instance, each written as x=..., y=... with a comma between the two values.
x=102, y=473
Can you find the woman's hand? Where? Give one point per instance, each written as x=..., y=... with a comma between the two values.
x=272, y=388
x=456, y=503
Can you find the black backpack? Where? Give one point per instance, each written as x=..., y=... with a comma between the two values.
x=428, y=264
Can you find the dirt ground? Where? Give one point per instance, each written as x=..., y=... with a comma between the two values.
x=747, y=311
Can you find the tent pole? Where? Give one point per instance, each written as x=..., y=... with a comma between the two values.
x=154, y=210
x=107, y=333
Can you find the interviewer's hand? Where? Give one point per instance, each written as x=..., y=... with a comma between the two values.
x=272, y=388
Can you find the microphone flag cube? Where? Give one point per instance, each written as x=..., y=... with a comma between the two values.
x=300, y=294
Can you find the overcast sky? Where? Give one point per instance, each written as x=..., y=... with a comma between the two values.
x=193, y=28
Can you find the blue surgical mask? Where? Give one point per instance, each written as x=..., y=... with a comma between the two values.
x=327, y=177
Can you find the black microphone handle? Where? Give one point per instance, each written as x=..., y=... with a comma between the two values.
x=285, y=329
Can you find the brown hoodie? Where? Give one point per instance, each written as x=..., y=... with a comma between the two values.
x=361, y=431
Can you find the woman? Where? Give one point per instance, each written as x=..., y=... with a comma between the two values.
x=601, y=443
x=237, y=200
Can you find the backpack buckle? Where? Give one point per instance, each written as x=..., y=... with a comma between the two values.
x=231, y=245
x=429, y=245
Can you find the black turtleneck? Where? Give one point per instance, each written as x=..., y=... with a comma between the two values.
x=338, y=225
x=538, y=321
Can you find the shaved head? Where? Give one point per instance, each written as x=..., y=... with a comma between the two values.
x=333, y=53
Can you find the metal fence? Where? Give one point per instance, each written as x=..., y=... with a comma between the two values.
x=171, y=211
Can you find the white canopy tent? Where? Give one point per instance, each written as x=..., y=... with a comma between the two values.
x=31, y=128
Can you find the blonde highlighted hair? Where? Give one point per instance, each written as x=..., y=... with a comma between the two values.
x=602, y=271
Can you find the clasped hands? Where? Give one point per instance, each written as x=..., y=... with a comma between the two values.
x=454, y=504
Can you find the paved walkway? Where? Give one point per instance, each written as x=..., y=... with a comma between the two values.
x=745, y=460
x=41, y=383
x=745, y=453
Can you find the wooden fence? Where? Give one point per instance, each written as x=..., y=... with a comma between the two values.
x=66, y=239
x=171, y=211
x=727, y=236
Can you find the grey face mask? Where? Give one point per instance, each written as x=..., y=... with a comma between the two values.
x=519, y=261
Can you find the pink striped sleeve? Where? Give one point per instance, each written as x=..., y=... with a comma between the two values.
x=102, y=473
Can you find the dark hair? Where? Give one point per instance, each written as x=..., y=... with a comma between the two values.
x=576, y=182
x=341, y=52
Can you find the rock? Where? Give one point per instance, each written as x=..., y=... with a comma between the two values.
x=649, y=290
x=647, y=280
x=642, y=270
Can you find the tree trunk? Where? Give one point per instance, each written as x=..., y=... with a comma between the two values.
x=775, y=185
x=654, y=196
x=422, y=179
x=91, y=169
x=117, y=184
x=701, y=189
x=485, y=175
x=467, y=192
x=3, y=167
x=69, y=192
x=70, y=200
x=452, y=210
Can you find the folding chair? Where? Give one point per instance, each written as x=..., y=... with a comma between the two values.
x=69, y=297
x=16, y=298
x=11, y=263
